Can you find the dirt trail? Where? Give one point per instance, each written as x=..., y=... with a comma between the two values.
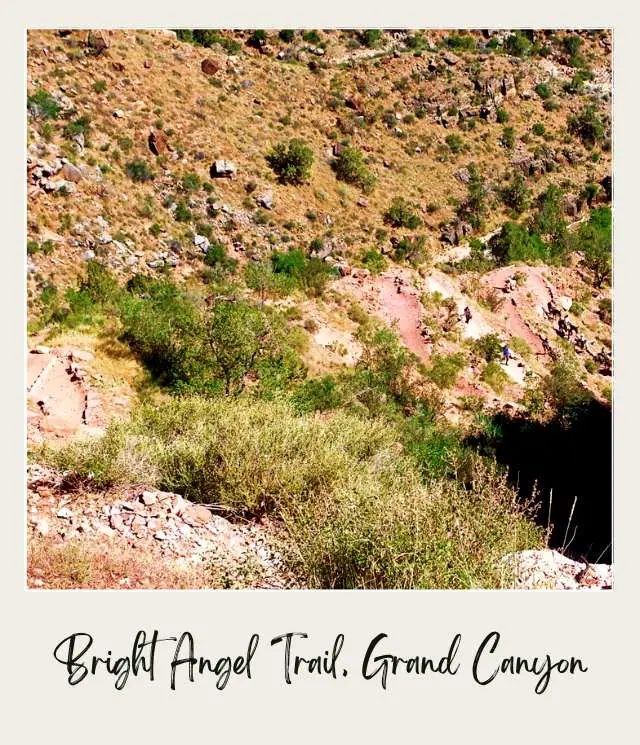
x=59, y=404
x=405, y=310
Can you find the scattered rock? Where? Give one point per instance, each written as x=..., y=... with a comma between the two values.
x=266, y=200
x=158, y=143
x=209, y=66
x=223, y=169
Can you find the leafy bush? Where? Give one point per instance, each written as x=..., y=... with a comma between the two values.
x=292, y=163
x=411, y=249
x=43, y=106
x=588, y=126
x=370, y=37
x=207, y=38
x=374, y=261
x=78, y=126
x=516, y=194
x=594, y=240
x=355, y=511
x=538, y=129
x=286, y=35
x=460, y=41
x=100, y=86
x=445, y=369
x=518, y=44
x=494, y=376
x=191, y=182
x=502, y=116
x=139, y=171
x=489, y=347
x=401, y=215
x=350, y=166
x=311, y=37
x=474, y=208
x=455, y=143
x=257, y=39
x=508, y=138
x=543, y=90
x=515, y=243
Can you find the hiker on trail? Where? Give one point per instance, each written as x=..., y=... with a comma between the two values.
x=509, y=285
x=547, y=347
x=467, y=314
x=581, y=341
x=506, y=353
x=572, y=329
x=562, y=327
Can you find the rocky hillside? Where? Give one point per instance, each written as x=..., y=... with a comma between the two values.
x=402, y=228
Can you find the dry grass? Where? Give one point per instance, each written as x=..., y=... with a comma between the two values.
x=87, y=564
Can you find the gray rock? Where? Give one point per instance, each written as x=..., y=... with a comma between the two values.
x=202, y=242
x=223, y=169
x=89, y=255
x=266, y=200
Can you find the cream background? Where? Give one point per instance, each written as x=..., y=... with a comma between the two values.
x=599, y=627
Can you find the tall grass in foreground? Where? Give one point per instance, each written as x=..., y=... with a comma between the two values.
x=354, y=506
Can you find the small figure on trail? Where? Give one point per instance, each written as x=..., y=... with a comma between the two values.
x=467, y=314
x=509, y=285
x=43, y=407
x=562, y=327
x=572, y=329
x=506, y=353
x=425, y=334
x=547, y=347
x=581, y=342
x=552, y=310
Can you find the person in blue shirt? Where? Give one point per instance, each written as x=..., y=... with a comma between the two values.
x=506, y=353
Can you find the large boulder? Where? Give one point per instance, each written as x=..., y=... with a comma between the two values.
x=209, y=66
x=158, y=143
x=99, y=41
x=223, y=169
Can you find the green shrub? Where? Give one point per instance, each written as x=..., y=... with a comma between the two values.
x=538, y=129
x=401, y=215
x=355, y=511
x=594, y=240
x=81, y=125
x=100, y=86
x=516, y=195
x=508, y=138
x=411, y=249
x=515, y=243
x=370, y=37
x=311, y=37
x=460, y=41
x=43, y=106
x=494, y=376
x=455, y=143
x=588, y=126
x=350, y=166
x=286, y=35
x=139, y=171
x=445, y=369
x=292, y=163
x=489, y=347
x=182, y=212
x=191, y=182
x=257, y=39
x=374, y=261
x=518, y=44
x=502, y=116
x=543, y=90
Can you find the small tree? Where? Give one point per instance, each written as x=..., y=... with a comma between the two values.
x=401, y=215
x=516, y=194
x=588, y=126
x=292, y=163
x=350, y=166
